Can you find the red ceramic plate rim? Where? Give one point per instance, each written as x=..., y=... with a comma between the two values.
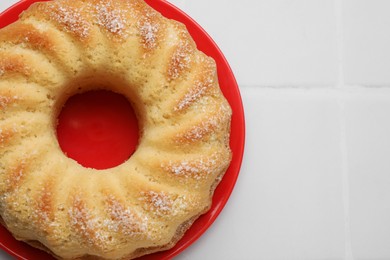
x=230, y=89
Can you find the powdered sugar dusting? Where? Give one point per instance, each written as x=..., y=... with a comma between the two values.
x=181, y=204
x=5, y=100
x=181, y=60
x=194, y=94
x=205, y=127
x=13, y=201
x=113, y=20
x=200, y=88
x=164, y=204
x=87, y=224
x=6, y=134
x=72, y=19
x=148, y=31
x=13, y=64
x=159, y=203
x=100, y=230
x=197, y=169
x=16, y=173
x=124, y=219
x=44, y=214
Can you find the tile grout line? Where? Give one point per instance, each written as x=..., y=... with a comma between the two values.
x=345, y=179
x=348, y=254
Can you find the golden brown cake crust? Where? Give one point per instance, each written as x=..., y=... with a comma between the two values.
x=63, y=47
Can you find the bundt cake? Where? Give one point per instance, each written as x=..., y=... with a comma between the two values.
x=63, y=47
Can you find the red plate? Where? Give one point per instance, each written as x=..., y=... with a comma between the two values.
x=230, y=89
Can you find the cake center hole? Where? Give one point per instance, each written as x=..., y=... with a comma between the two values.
x=98, y=129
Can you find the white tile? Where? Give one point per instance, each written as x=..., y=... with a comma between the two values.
x=278, y=42
x=287, y=203
x=367, y=42
x=368, y=130
x=178, y=3
x=4, y=4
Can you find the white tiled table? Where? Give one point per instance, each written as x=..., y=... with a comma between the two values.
x=315, y=81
